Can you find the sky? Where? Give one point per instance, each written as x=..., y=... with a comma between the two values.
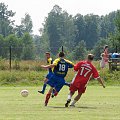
x=39, y=9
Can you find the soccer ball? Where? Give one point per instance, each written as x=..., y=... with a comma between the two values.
x=24, y=93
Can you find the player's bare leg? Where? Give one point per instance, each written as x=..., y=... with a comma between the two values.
x=76, y=99
x=69, y=98
x=44, y=87
x=48, y=96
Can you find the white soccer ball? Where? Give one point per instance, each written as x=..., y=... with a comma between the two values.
x=24, y=93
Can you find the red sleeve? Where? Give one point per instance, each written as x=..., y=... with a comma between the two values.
x=77, y=66
x=95, y=73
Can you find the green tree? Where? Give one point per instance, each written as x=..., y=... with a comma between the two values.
x=67, y=31
x=118, y=29
x=80, y=51
x=115, y=38
x=107, y=24
x=80, y=24
x=92, y=30
x=15, y=44
x=6, y=24
x=52, y=28
x=42, y=45
x=59, y=29
x=2, y=46
x=19, y=30
x=27, y=23
x=28, y=47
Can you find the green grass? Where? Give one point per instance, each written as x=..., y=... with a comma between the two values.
x=96, y=104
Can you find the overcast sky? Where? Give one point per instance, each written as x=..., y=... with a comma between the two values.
x=39, y=9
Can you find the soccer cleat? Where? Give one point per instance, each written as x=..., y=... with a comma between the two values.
x=67, y=103
x=46, y=103
x=53, y=91
x=40, y=91
x=72, y=105
x=52, y=95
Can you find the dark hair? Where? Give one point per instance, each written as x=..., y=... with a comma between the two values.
x=47, y=53
x=90, y=56
x=106, y=46
x=61, y=54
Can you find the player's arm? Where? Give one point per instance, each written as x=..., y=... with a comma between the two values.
x=51, y=65
x=101, y=82
x=70, y=64
x=96, y=76
x=47, y=66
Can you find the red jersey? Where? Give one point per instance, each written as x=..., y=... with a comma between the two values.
x=84, y=71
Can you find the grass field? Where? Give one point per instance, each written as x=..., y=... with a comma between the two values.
x=96, y=104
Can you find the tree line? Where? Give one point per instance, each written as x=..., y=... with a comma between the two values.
x=78, y=34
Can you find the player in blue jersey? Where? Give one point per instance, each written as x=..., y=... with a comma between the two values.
x=60, y=68
x=49, y=62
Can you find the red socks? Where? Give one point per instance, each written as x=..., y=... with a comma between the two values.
x=47, y=99
x=55, y=94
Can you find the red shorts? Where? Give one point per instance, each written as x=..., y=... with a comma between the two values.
x=79, y=88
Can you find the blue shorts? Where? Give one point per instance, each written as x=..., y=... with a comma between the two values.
x=56, y=82
x=48, y=76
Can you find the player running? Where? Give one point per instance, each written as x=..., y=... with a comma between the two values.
x=85, y=70
x=49, y=62
x=60, y=68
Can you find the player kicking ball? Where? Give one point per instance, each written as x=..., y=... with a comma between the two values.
x=85, y=70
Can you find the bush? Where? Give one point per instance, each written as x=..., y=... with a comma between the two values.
x=21, y=65
x=21, y=77
x=30, y=74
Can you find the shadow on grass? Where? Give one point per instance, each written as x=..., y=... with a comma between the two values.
x=82, y=107
x=87, y=107
x=56, y=107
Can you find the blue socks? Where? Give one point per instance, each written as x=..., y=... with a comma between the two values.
x=44, y=87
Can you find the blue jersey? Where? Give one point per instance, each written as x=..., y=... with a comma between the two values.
x=61, y=67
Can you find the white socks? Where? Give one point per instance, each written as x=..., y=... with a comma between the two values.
x=73, y=102
x=69, y=97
